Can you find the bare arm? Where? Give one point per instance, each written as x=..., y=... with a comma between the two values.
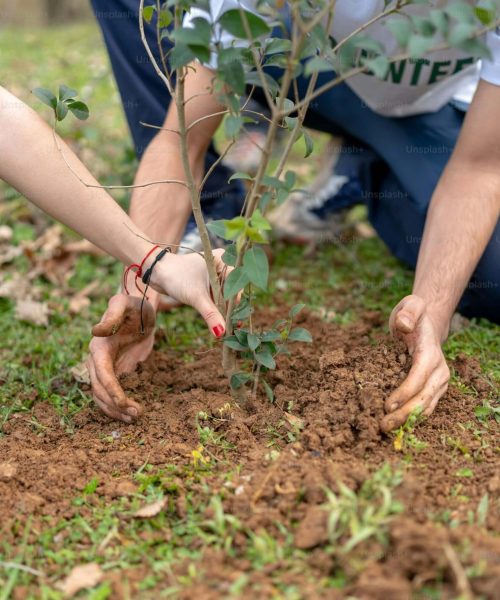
x=464, y=210
x=31, y=162
x=462, y=216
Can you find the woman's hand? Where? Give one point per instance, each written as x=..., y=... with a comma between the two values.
x=185, y=279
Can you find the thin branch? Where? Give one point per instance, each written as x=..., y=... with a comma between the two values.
x=215, y=164
x=159, y=72
x=19, y=567
x=159, y=127
x=109, y=187
x=192, y=187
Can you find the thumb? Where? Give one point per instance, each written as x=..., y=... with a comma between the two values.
x=113, y=318
x=409, y=314
x=209, y=312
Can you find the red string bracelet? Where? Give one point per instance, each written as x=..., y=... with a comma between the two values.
x=138, y=272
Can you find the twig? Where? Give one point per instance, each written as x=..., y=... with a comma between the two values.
x=461, y=579
x=159, y=72
x=109, y=187
x=25, y=568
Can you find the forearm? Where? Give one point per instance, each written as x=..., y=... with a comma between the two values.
x=32, y=163
x=162, y=211
x=462, y=215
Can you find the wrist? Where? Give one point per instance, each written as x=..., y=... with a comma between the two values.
x=439, y=313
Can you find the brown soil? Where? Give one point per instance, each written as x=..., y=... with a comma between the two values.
x=325, y=425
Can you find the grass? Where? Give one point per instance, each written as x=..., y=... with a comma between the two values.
x=340, y=282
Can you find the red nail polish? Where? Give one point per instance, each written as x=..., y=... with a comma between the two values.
x=218, y=331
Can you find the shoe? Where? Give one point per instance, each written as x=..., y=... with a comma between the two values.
x=318, y=213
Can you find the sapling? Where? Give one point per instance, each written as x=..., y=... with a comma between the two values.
x=273, y=49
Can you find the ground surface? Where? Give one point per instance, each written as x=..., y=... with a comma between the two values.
x=302, y=498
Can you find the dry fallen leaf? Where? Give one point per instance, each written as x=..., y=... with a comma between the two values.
x=16, y=288
x=81, y=578
x=151, y=510
x=365, y=230
x=294, y=421
x=33, y=312
x=6, y=233
x=80, y=373
x=9, y=254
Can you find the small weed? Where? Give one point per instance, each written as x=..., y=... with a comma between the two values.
x=356, y=517
x=405, y=437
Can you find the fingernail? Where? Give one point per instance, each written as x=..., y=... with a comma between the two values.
x=218, y=331
x=393, y=407
x=132, y=412
x=405, y=322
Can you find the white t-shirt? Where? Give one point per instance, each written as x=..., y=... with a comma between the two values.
x=411, y=86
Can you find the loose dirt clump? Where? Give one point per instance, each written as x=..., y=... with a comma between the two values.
x=321, y=436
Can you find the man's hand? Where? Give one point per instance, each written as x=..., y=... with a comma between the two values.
x=117, y=347
x=428, y=378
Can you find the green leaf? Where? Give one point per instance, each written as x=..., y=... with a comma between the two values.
x=233, y=74
x=309, y=143
x=294, y=311
x=401, y=29
x=271, y=336
x=256, y=267
x=378, y=66
x=482, y=510
x=46, y=96
x=278, y=45
x=259, y=221
x=199, y=34
x=253, y=78
x=240, y=175
x=236, y=21
x=484, y=15
x=423, y=26
x=299, y=334
x=317, y=64
x=218, y=228
x=234, y=344
x=269, y=390
x=461, y=11
x=291, y=122
x=66, y=93
x=265, y=358
x=440, y=21
x=239, y=379
x=79, y=109
x=235, y=227
x=419, y=45
x=229, y=256
x=232, y=125
x=460, y=33
x=465, y=472
x=148, y=12
x=290, y=179
x=61, y=110
x=367, y=43
x=235, y=282
x=180, y=55
x=253, y=341
x=165, y=18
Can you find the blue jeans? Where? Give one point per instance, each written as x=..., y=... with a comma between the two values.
x=399, y=160
x=145, y=97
